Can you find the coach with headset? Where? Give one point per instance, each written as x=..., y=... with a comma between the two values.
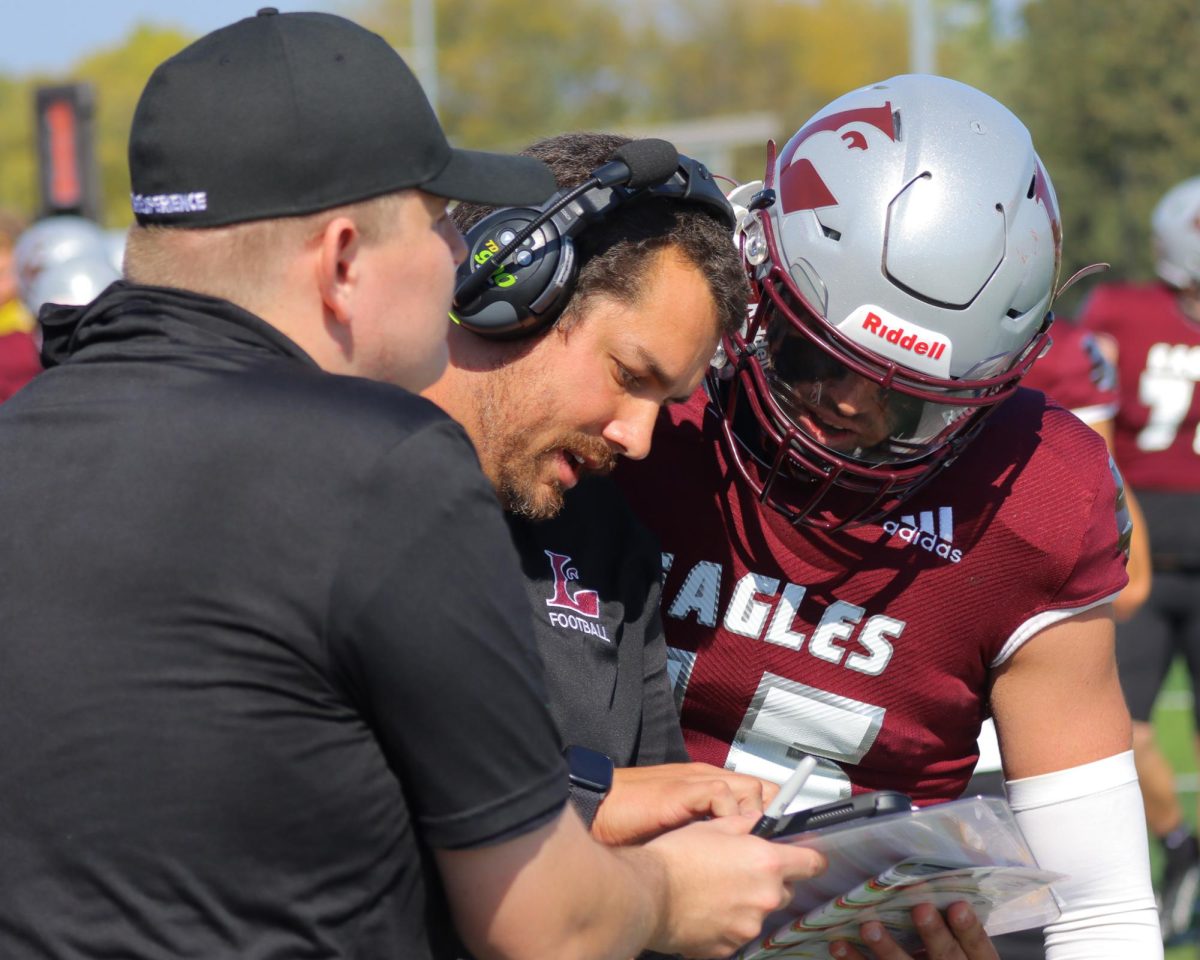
x=607, y=303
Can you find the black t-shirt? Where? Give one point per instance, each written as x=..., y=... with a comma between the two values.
x=263, y=644
x=593, y=577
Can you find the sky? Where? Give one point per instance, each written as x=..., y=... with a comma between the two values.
x=47, y=36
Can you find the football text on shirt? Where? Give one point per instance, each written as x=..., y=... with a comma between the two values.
x=583, y=604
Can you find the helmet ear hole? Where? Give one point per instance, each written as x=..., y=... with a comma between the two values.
x=812, y=291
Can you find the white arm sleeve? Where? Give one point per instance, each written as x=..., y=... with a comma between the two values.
x=1088, y=823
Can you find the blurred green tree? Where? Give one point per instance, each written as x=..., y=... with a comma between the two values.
x=508, y=74
x=1109, y=94
x=118, y=74
x=18, y=157
x=611, y=64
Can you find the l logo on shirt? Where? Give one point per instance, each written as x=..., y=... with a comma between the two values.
x=585, y=602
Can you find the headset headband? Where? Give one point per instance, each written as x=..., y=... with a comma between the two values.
x=522, y=264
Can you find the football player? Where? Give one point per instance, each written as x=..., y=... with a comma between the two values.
x=872, y=537
x=1156, y=329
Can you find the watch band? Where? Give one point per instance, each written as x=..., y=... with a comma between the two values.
x=591, y=776
x=586, y=803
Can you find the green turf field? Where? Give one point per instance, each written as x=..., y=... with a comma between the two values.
x=1173, y=722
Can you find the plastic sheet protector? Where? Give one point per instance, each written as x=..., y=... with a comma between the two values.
x=879, y=869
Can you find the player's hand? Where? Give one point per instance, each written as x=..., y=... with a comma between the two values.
x=962, y=939
x=722, y=884
x=646, y=801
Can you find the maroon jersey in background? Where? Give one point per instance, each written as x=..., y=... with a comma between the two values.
x=19, y=362
x=871, y=647
x=1076, y=374
x=1157, y=429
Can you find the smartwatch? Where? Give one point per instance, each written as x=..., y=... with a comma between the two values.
x=591, y=775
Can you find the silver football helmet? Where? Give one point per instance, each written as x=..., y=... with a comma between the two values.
x=74, y=282
x=1175, y=225
x=52, y=241
x=904, y=248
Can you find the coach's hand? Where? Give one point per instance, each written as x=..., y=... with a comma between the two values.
x=723, y=884
x=647, y=801
x=962, y=939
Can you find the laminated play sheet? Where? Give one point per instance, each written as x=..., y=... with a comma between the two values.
x=879, y=869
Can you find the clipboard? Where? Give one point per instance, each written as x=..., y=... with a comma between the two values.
x=966, y=850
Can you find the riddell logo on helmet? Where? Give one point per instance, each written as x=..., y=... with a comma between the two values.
x=883, y=333
x=899, y=335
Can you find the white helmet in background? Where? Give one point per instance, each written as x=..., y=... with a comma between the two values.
x=908, y=234
x=114, y=242
x=52, y=241
x=1175, y=225
x=73, y=282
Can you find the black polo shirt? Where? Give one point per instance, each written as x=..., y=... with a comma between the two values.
x=593, y=575
x=263, y=644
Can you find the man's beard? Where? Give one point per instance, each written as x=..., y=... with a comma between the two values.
x=515, y=471
x=521, y=481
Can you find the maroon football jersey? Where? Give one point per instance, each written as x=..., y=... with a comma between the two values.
x=19, y=362
x=1077, y=374
x=1157, y=429
x=871, y=648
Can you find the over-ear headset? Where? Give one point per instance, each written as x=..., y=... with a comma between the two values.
x=521, y=267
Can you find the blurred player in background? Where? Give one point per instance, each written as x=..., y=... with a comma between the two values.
x=60, y=259
x=67, y=260
x=57, y=240
x=1156, y=331
x=1078, y=374
x=872, y=536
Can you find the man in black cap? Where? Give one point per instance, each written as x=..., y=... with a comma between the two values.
x=266, y=666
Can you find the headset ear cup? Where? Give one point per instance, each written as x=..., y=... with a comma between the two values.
x=532, y=288
x=524, y=298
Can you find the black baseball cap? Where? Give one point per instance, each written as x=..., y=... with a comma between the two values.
x=283, y=114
